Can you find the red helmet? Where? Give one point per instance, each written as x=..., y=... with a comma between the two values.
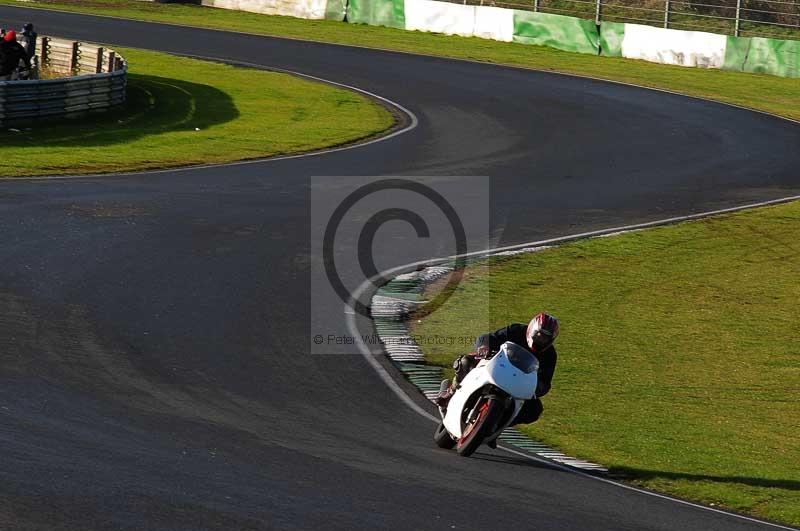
x=10, y=35
x=542, y=331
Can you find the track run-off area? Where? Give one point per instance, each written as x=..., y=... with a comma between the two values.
x=155, y=328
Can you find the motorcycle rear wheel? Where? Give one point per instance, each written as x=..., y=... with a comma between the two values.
x=489, y=415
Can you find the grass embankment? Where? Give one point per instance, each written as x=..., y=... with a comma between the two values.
x=184, y=111
x=679, y=362
x=767, y=93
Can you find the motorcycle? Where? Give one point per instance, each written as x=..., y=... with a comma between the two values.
x=488, y=399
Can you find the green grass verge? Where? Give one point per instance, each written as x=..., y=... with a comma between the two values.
x=762, y=92
x=679, y=362
x=240, y=113
x=679, y=395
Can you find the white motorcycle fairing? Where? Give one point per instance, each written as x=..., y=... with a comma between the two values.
x=498, y=371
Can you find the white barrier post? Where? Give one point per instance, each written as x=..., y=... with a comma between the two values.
x=738, y=15
x=535, y=6
x=598, y=14
x=666, y=14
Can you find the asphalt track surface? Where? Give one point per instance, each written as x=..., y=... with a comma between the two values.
x=154, y=329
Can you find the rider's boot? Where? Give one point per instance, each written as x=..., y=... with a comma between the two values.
x=444, y=396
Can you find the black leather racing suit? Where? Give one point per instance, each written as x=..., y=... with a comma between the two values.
x=515, y=333
x=11, y=53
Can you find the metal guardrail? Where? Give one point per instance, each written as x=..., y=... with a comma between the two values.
x=94, y=79
x=747, y=18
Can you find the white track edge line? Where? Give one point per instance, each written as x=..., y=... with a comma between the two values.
x=405, y=52
x=355, y=145
x=582, y=235
x=382, y=372
x=647, y=492
x=412, y=119
x=384, y=375
x=392, y=384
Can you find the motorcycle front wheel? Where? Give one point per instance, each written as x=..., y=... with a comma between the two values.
x=489, y=413
x=442, y=438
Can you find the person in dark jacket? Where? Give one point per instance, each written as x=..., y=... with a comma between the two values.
x=537, y=337
x=29, y=36
x=11, y=53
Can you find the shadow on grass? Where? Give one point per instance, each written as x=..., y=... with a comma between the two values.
x=626, y=473
x=154, y=105
x=636, y=473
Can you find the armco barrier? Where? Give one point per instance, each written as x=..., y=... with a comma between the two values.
x=309, y=9
x=706, y=50
x=564, y=33
x=494, y=23
x=613, y=39
x=763, y=56
x=95, y=80
x=390, y=13
x=674, y=47
x=611, y=35
x=440, y=17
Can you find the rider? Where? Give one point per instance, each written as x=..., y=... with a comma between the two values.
x=537, y=336
x=11, y=53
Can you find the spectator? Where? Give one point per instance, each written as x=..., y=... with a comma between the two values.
x=11, y=53
x=29, y=36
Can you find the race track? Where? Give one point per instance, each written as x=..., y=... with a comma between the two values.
x=153, y=366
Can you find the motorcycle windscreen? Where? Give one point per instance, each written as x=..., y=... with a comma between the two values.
x=521, y=358
x=514, y=370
